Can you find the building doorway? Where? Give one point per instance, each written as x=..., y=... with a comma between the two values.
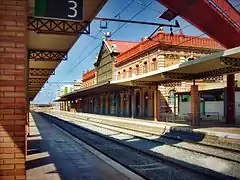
x=118, y=104
x=145, y=104
x=137, y=104
x=92, y=104
x=130, y=105
x=113, y=104
x=124, y=105
x=104, y=104
x=172, y=101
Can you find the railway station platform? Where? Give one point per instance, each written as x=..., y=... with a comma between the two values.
x=52, y=154
x=208, y=129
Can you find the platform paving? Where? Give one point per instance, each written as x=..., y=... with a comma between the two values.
x=53, y=155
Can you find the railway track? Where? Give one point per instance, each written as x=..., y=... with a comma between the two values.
x=228, y=154
x=178, y=138
x=159, y=164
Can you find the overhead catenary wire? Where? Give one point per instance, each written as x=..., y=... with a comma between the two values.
x=95, y=37
x=163, y=36
x=159, y=40
x=146, y=6
x=112, y=34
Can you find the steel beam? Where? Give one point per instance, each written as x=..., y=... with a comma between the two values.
x=217, y=73
x=30, y=85
x=53, y=26
x=139, y=22
x=40, y=55
x=230, y=61
x=37, y=80
x=178, y=76
x=41, y=72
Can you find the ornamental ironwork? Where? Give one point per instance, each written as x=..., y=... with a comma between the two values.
x=217, y=72
x=230, y=61
x=170, y=84
x=37, y=80
x=139, y=83
x=40, y=55
x=35, y=84
x=41, y=72
x=53, y=26
x=184, y=76
x=33, y=89
x=214, y=78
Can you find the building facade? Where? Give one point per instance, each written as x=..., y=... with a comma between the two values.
x=150, y=56
x=120, y=60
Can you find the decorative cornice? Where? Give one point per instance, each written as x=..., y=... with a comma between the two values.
x=89, y=75
x=163, y=39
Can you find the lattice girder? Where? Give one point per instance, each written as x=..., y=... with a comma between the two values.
x=53, y=26
x=217, y=73
x=35, y=84
x=230, y=61
x=140, y=83
x=183, y=76
x=208, y=75
x=37, y=80
x=41, y=72
x=172, y=84
x=34, y=89
x=40, y=55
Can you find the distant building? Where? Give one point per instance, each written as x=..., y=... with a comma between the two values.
x=78, y=84
x=66, y=89
x=122, y=60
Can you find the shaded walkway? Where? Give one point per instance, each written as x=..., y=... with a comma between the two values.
x=53, y=155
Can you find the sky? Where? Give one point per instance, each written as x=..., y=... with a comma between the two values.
x=82, y=55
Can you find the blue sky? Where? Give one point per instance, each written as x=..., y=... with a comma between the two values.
x=82, y=56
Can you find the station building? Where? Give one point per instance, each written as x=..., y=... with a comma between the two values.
x=120, y=60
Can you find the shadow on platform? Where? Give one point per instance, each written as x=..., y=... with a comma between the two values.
x=148, y=147
x=40, y=155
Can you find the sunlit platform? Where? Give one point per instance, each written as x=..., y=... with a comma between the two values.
x=208, y=128
x=54, y=155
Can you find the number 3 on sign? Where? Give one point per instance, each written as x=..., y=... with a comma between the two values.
x=73, y=6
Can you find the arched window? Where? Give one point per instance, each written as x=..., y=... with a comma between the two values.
x=137, y=69
x=119, y=75
x=124, y=74
x=145, y=67
x=171, y=97
x=154, y=64
x=130, y=72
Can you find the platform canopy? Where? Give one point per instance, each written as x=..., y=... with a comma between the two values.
x=52, y=29
x=207, y=67
x=91, y=91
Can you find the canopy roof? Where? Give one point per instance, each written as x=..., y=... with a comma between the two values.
x=213, y=65
x=216, y=64
x=90, y=91
x=49, y=41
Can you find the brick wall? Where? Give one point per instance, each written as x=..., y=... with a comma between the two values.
x=12, y=89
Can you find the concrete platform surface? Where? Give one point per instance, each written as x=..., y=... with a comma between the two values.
x=53, y=155
x=211, y=128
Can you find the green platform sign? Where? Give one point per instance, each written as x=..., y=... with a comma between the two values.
x=59, y=9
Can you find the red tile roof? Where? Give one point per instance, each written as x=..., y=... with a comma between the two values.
x=88, y=75
x=122, y=46
x=167, y=39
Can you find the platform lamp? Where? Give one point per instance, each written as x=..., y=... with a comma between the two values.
x=146, y=97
